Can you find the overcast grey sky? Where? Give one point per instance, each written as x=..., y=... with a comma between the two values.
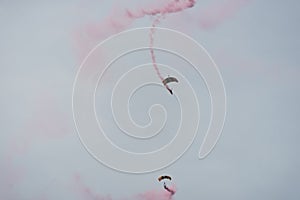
x=254, y=44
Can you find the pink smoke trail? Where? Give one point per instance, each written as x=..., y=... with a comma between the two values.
x=174, y=6
x=47, y=122
x=171, y=7
x=119, y=19
x=154, y=195
x=151, y=35
x=88, y=194
x=10, y=176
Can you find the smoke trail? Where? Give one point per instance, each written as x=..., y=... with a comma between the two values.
x=151, y=35
x=10, y=176
x=47, y=122
x=171, y=7
x=119, y=19
x=174, y=6
x=207, y=18
x=87, y=193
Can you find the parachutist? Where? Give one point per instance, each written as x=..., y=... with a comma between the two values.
x=165, y=185
x=168, y=80
x=168, y=189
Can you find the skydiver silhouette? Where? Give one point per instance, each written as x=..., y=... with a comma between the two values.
x=170, y=91
x=168, y=189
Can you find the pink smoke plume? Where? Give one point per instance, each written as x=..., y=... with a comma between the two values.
x=46, y=123
x=85, y=192
x=91, y=34
x=207, y=18
x=215, y=14
x=170, y=7
x=87, y=36
x=121, y=19
x=174, y=6
x=10, y=176
x=151, y=35
x=88, y=194
x=154, y=195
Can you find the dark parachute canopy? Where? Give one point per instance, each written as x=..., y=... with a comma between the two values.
x=169, y=79
x=164, y=177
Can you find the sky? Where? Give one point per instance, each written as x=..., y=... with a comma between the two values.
x=255, y=45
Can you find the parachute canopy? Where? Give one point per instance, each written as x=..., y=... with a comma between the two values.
x=164, y=177
x=169, y=79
